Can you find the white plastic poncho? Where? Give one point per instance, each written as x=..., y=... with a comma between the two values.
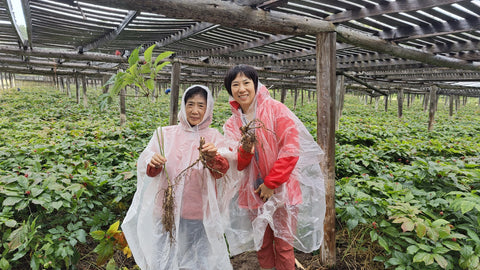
x=199, y=240
x=300, y=200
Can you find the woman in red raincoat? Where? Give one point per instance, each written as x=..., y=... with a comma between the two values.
x=280, y=203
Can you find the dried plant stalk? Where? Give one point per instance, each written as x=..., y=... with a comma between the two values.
x=168, y=216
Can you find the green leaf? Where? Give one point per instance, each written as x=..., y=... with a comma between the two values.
x=133, y=58
x=11, y=201
x=421, y=229
x=352, y=223
x=383, y=243
x=161, y=66
x=452, y=245
x=113, y=228
x=4, y=264
x=148, y=53
x=441, y=260
x=97, y=235
x=111, y=265
x=150, y=83
x=56, y=205
x=162, y=56
x=466, y=206
x=412, y=249
x=420, y=257
x=145, y=69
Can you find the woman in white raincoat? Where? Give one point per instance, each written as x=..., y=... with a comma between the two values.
x=280, y=204
x=198, y=232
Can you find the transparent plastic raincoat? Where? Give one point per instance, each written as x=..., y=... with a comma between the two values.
x=199, y=240
x=302, y=196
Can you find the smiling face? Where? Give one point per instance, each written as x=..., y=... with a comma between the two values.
x=243, y=91
x=195, y=108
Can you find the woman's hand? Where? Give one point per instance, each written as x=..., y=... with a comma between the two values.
x=157, y=161
x=209, y=150
x=264, y=192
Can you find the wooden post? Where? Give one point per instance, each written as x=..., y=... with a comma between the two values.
x=123, y=109
x=84, y=85
x=426, y=98
x=69, y=93
x=408, y=100
x=386, y=103
x=104, y=81
x=295, y=99
x=457, y=101
x=1, y=80
x=77, y=88
x=283, y=95
x=175, y=89
x=377, y=99
x=433, y=106
x=339, y=98
x=62, y=84
x=303, y=90
x=326, y=67
x=400, y=103
x=450, y=107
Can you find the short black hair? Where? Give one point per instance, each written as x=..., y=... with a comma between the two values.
x=197, y=90
x=246, y=70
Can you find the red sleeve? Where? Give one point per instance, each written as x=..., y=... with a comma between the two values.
x=152, y=171
x=280, y=172
x=244, y=158
x=219, y=166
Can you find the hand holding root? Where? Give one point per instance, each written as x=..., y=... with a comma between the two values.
x=264, y=192
x=208, y=150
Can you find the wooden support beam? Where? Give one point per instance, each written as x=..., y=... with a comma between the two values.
x=63, y=54
x=111, y=35
x=433, y=107
x=84, y=86
x=325, y=45
x=375, y=89
x=174, y=93
x=339, y=98
x=400, y=96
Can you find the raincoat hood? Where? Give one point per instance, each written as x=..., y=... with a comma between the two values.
x=207, y=118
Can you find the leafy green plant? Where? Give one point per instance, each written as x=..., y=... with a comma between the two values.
x=110, y=241
x=140, y=73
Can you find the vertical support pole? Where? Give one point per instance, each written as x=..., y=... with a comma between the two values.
x=450, y=106
x=69, y=93
x=339, y=99
x=433, y=106
x=105, y=87
x=303, y=91
x=77, y=88
x=295, y=99
x=426, y=98
x=84, y=86
x=386, y=102
x=123, y=109
x=1, y=80
x=62, y=84
x=175, y=89
x=326, y=67
x=283, y=95
x=400, y=103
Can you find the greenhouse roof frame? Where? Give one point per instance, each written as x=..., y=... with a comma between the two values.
x=387, y=44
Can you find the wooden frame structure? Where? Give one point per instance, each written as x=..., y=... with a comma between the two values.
x=377, y=47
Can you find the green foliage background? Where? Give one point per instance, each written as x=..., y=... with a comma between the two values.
x=66, y=171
